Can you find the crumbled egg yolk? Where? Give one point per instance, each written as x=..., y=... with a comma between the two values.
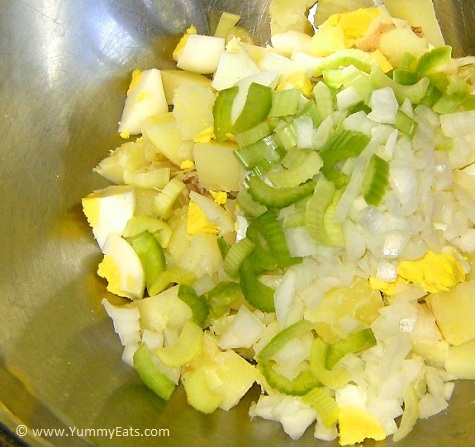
x=356, y=425
x=136, y=76
x=297, y=80
x=387, y=288
x=187, y=164
x=340, y=31
x=181, y=44
x=354, y=23
x=205, y=136
x=109, y=270
x=220, y=197
x=125, y=134
x=383, y=62
x=435, y=272
x=197, y=221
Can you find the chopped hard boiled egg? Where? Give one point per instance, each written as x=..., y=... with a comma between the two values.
x=108, y=210
x=356, y=425
x=145, y=97
x=121, y=268
x=435, y=272
x=198, y=222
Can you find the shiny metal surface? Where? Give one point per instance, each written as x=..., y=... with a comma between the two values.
x=64, y=67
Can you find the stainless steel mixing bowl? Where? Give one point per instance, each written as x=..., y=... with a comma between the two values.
x=64, y=67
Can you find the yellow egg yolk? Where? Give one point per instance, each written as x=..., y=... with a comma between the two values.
x=198, y=222
x=181, y=44
x=356, y=425
x=435, y=272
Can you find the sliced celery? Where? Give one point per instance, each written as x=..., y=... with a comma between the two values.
x=266, y=149
x=198, y=304
x=199, y=393
x=222, y=112
x=165, y=200
x=169, y=276
x=310, y=109
x=271, y=230
x=375, y=181
x=405, y=76
x=185, y=348
x=405, y=124
x=278, y=197
x=299, y=386
x=222, y=296
x=282, y=338
x=151, y=255
x=256, y=108
x=285, y=102
x=158, y=382
x=429, y=61
x=357, y=342
x=286, y=136
x=308, y=167
x=262, y=258
x=324, y=404
x=341, y=146
x=332, y=378
x=415, y=92
x=249, y=205
x=253, y=135
x=315, y=211
x=256, y=293
x=236, y=255
x=159, y=228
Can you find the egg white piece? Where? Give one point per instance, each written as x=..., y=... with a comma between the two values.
x=122, y=268
x=201, y=54
x=145, y=97
x=108, y=210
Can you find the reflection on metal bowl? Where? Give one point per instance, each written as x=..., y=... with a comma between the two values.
x=64, y=69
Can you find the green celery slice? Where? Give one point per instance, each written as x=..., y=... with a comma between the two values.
x=405, y=124
x=185, y=348
x=253, y=135
x=266, y=149
x=278, y=197
x=308, y=167
x=165, y=200
x=256, y=108
x=429, y=61
x=315, y=211
x=262, y=258
x=357, y=342
x=415, y=92
x=198, y=304
x=310, y=109
x=171, y=275
x=160, y=229
x=222, y=296
x=282, y=338
x=375, y=181
x=199, y=394
x=236, y=256
x=341, y=146
x=158, y=382
x=151, y=255
x=271, y=229
x=299, y=386
x=324, y=404
x=332, y=378
x=256, y=293
x=285, y=102
x=222, y=112
x=249, y=205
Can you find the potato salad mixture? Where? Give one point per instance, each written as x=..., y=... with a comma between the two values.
x=299, y=217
